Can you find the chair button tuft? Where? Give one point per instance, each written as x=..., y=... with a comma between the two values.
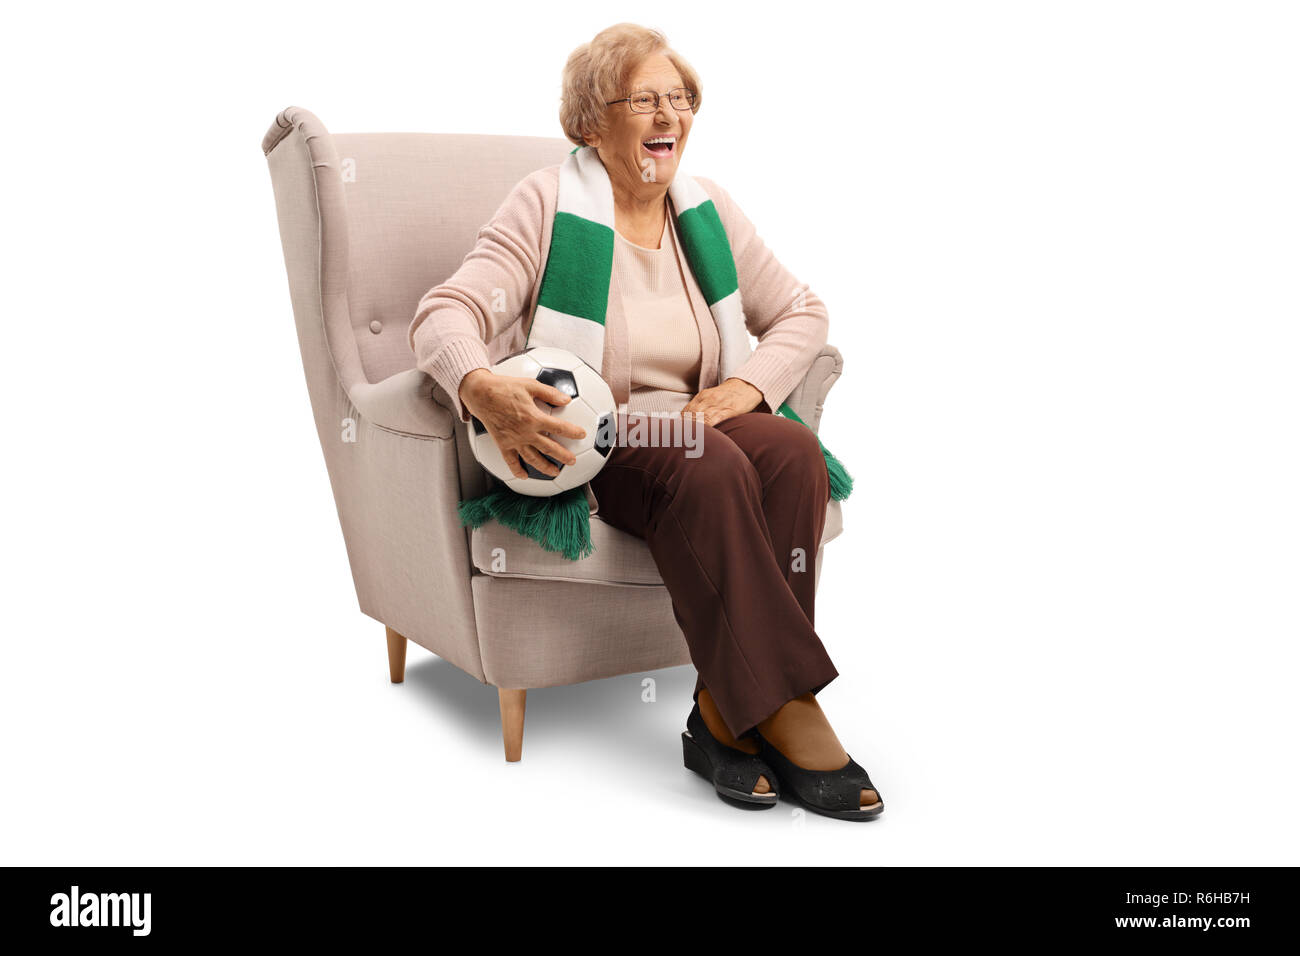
x=376, y=326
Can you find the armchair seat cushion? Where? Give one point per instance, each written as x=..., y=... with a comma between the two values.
x=618, y=558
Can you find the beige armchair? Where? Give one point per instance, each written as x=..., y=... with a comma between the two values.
x=369, y=222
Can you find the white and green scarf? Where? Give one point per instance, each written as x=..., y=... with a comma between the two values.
x=570, y=314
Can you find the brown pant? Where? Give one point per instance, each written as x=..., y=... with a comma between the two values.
x=723, y=528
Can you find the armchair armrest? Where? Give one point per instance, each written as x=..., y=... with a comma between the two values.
x=406, y=403
x=810, y=394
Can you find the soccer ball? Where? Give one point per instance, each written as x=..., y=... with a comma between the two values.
x=591, y=406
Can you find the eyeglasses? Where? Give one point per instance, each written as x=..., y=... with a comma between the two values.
x=647, y=101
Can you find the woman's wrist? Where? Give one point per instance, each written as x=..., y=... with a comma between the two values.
x=470, y=378
x=469, y=384
x=748, y=389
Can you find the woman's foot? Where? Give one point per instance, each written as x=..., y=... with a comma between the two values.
x=713, y=720
x=801, y=732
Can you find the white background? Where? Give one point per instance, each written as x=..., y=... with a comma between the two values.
x=1058, y=243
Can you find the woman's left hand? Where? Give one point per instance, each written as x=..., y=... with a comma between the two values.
x=733, y=397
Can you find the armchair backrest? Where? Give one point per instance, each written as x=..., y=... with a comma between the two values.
x=374, y=220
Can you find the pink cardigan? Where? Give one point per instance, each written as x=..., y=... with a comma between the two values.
x=497, y=284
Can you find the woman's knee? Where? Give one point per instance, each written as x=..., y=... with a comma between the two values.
x=783, y=444
x=719, y=464
x=802, y=438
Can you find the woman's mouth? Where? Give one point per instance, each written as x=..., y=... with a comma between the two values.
x=660, y=146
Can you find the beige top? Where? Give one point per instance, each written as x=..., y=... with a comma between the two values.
x=662, y=334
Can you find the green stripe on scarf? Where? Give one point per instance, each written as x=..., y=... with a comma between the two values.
x=576, y=285
x=582, y=252
x=708, y=251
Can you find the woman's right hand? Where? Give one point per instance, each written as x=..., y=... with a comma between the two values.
x=506, y=406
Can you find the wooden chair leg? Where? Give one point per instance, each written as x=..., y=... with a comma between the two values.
x=512, y=721
x=396, y=656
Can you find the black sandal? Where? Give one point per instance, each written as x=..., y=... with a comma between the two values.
x=832, y=793
x=732, y=772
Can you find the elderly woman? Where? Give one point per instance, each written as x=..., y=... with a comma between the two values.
x=721, y=521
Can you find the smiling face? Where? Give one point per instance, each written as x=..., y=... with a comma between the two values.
x=628, y=146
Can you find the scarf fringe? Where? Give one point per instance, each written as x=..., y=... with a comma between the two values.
x=561, y=523
x=841, y=480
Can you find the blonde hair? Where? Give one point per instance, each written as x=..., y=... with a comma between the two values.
x=598, y=72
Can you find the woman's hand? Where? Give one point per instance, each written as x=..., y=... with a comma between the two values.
x=733, y=397
x=505, y=405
